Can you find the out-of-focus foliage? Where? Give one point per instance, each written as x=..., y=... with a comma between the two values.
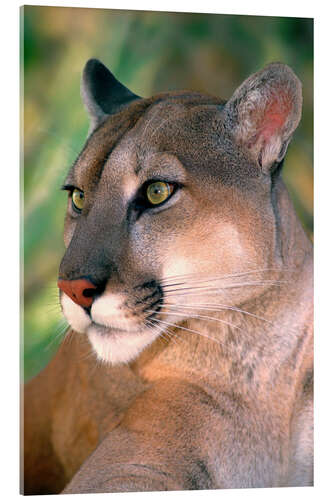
x=149, y=52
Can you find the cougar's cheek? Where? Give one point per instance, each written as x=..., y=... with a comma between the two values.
x=75, y=315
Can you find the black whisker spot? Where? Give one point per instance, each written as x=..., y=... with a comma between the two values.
x=147, y=284
x=158, y=302
x=147, y=297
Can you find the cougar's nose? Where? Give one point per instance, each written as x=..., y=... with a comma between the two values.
x=81, y=291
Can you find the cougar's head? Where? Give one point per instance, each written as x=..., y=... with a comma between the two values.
x=170, y=205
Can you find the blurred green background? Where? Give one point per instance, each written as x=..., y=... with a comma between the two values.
x=149, y=52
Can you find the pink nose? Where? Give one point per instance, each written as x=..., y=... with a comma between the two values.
x=81, y=291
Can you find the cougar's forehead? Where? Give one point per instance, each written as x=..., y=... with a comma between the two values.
x=123, y=147
x=175, y=127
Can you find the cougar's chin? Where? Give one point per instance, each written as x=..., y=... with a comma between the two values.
x=111, y=345
x=118, y=346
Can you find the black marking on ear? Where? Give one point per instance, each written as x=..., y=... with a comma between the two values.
x=276, y=171
x=102, y=93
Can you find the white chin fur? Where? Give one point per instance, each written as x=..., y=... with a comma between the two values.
x=114, y=347
x=75, y=315
x=119, y=347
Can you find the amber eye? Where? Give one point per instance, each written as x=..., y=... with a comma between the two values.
x=78, y=199
x=158, y=192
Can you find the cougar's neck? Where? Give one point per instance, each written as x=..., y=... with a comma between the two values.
x=293, y=248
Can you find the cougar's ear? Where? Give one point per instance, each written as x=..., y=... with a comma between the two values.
x=263, y=113
x=102, y=93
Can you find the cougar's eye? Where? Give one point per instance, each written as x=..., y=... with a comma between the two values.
x=158, y=192
x=77, y=199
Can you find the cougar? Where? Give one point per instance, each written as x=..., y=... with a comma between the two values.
x=187, y=285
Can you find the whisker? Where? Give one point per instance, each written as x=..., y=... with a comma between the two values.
x=208, y=290
x=218, y=308
x=50, y=308
x=68, y=339
x=172, y=336
x=200, y=316
x=163, y=333
x=226, y=276
x=164, y=330
x=175, y=284
x=60, y=330
x=169, y=334
x=188, y=330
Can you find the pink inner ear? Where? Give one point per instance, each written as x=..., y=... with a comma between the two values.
x=275, y=115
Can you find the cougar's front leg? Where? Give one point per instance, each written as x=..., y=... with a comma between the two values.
x=157, y=446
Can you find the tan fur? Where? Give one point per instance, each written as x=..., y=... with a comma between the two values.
x=228, y=408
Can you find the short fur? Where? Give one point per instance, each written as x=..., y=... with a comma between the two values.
x=203, y=312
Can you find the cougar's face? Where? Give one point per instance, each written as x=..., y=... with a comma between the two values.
x=159, y=219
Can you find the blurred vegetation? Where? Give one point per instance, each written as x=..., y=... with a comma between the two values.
x=149, y=52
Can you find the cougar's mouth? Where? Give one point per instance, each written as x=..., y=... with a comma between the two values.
x=118, y=326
